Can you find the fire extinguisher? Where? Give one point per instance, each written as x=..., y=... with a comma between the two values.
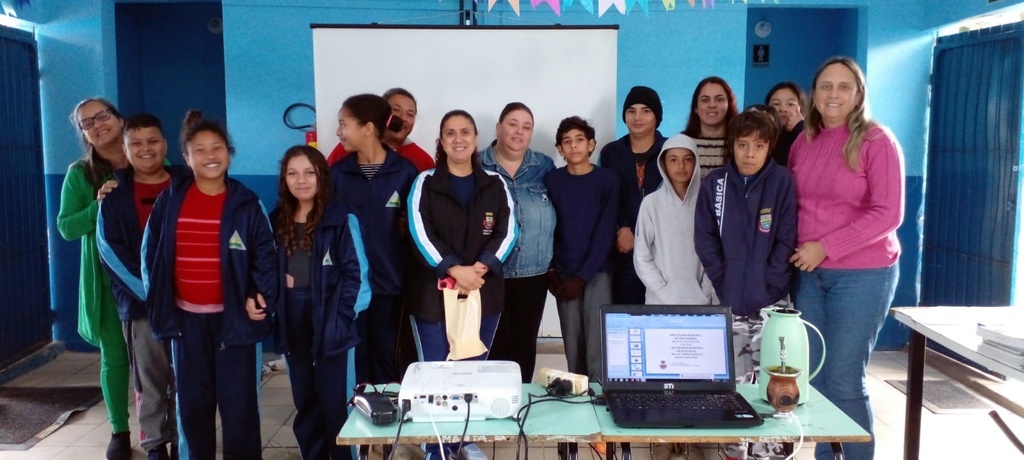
x=310, y=128
x=311, y=137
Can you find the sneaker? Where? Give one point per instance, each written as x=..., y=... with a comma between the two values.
x=767, y=450
x=158, y=453
x=470, y=451
x=120, y=446
x=734, y=451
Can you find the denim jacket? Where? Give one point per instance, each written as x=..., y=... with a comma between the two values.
x=534, y=213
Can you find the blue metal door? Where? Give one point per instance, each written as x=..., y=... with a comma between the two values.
x=971, y=202
x=24, y=273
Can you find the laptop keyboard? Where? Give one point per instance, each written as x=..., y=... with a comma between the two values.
x=689, y=401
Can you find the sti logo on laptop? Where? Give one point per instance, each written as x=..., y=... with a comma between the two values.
x=670, y=386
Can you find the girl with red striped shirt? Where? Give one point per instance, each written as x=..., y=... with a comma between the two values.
x=208, y=248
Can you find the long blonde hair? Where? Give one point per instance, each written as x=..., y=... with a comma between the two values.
x=857, y=121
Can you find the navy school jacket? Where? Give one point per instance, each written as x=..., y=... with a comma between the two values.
x=745, y=233
x=248, y=263
x=338, y=279
x=446, y=234
x=379, y=204
x=119, y=240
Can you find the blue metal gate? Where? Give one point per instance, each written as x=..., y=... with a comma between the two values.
x=24, y=274
x=973, y=160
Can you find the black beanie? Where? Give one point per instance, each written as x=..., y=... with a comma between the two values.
x=646, y=96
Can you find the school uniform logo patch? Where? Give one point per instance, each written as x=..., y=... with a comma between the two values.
x=488, y=223
x=394, y=202
x=235, y=242
x=327, y=259
x=765, y=221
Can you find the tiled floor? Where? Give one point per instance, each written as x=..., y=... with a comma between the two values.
x=86, y=434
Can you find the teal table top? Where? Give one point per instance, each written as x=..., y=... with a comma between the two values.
x=549, y=421
x=819, y=419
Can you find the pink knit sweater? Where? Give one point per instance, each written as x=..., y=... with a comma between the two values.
x=854, y=214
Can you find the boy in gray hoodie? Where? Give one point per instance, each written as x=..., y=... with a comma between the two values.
x=664, y=255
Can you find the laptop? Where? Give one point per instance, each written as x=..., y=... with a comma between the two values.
x=670, y=366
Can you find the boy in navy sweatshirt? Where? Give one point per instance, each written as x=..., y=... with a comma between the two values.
x=585, y=198
x=123, y=213
x=745, y=232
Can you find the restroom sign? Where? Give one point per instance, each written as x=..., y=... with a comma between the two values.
x=762, y=55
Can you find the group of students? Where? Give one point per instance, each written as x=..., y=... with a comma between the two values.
x=359, y=243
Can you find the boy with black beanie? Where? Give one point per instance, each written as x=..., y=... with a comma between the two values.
x=633, y=158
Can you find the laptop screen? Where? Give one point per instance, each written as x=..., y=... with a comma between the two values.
x=667, y=343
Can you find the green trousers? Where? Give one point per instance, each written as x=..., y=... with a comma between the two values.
x=114, y=368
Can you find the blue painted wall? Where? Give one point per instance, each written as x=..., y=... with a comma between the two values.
x=800, y=40
x=172, y=63
x=268, y=65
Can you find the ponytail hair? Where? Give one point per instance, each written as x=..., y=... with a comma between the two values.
x=194, y=123
x=371, y=108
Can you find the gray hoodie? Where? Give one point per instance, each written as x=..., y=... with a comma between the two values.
x=664, y=255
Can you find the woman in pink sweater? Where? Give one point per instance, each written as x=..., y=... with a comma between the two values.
x=850, y=189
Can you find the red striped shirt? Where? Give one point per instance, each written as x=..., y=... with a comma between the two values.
x=197, y=277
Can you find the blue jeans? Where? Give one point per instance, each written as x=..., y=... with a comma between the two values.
x=432, y=345
x=849, y=307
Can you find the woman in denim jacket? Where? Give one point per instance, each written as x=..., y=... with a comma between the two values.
x=527, y=267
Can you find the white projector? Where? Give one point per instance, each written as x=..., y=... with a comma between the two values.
x=438, y=390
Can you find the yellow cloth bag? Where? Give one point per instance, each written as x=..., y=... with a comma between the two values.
x=462, y=324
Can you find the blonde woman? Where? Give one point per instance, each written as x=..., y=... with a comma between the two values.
x=849, y=187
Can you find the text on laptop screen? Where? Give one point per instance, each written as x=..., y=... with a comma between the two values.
x=646, y=347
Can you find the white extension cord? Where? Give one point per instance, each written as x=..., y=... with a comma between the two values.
x=794, y=419
x=440, y=445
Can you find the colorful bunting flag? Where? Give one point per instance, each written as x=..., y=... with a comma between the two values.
x=587, y=5
x=604, y=5
x=624, y=6
x=645, y=6
x=555, y=5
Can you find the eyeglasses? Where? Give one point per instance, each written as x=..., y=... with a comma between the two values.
x=87, y=123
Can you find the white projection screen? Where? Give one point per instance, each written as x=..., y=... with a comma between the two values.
x=557, y=71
